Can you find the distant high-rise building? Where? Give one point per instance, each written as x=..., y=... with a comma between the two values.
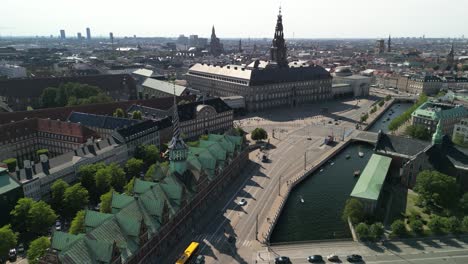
x=78, y=36
x=216, y=48
x=111, y=37
x=193, y=40
x=389, y=44
x=62, y=34
x=451, y=58
x=278, y=48
x=240, y=45
x=88, y=33
x=183, y=40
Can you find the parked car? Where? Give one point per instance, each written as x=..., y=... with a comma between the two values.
x=282, y=260
x=12, y=254
x=354, y=258
x=20, y=248
x=333, y=257
x=200, y=259
x=242, y=202
x=315, y=259
x=58, y=226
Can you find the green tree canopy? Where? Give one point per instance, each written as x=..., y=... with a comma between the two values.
x=58, y=189
x=8, y=239
x=128, y=189
x=103, y=180
x=259, y=134
x=118, y=179
x=465, y=223
x=87, y=175
x=376, y=230
x=362, y=230
x=37, y=249
x=72, y=94
x=75, y=198
x=119, y=112
x=401, y=119
x=137, y=115
x=435, y=188
x=453, y=225
x=20, y=214
x=40, y=217
x=364, y=117
x=134, y=167
x=416, y=226
x=106, y=202
x=354, y=210
x=464, y=203
x=48, y=97
x=418, y=132
x=398, y=228
x=148, y=153
x=77, y=225
x=436, y=224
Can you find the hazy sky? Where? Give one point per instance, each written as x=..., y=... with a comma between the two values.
x=236, y=18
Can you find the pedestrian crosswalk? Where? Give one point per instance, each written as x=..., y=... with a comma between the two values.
x=220, y=239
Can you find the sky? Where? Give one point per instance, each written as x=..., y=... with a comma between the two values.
x=236, y=18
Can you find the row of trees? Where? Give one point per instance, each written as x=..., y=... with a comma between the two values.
x=9, y=239
x=100, y=178
x=400, y=120
x=67, y=200
x=437, y=225
x=69, y=94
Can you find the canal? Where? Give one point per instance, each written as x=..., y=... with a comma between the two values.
x=325, y=192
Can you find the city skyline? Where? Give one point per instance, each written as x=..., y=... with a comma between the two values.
x=302, y=19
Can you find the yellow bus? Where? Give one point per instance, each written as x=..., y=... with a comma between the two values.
x=189, y=252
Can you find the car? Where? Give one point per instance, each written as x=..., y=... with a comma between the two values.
x=58, y=226
x=242, y=202
x=330, y=122
x=20, y=248
x=200, y=259
x=315, y=259
x=282, y=260
x=12, y=254
x=309, y=138
x=231, y=239
x=354, y=258
x=333, y=257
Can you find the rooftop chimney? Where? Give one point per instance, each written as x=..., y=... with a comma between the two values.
x=27, y=169
x=45, y=164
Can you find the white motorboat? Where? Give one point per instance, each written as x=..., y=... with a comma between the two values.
x=361, y=154
x=302, y=200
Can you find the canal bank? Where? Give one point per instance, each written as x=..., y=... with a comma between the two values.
x=323, y=192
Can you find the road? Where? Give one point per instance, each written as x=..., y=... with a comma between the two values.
x=425, y=250
x=303, y=131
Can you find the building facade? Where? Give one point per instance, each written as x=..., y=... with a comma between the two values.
x=263, y=84
x=429, y=85
x=430, y=114
x=461, y=129
x=12, y=71
x=358, y=85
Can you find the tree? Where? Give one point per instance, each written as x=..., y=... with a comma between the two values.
x=103, y=181
x=40, y=217
x=75, y=198
x=381, y=103
x=388, y=97
x=362, y=230
x=119, y=112
x=20, y=214
x=401, y=119
x=8, y=239
x=364, y=117
x=376, y=230
x=11, y=164
x=465, y=223
x=436, y=224
x=37, y=249
x=418, y=132
x=106, y=202
x=464, y=203
x=87, y=175
x=453, y=225
x=58, y=189
x=134, y=167
x=373, y=110
x=435, y=188
x=48, y=97
x=149, y=154
x=118, y=179
x=398, y=228
x=77, y=225
x=259, y=134
x=128, y=189
x=137, y=115
x=353, y=210
x=459, y=140
x=417, y=226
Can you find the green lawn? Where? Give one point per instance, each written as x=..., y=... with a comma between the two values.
x=413, y=209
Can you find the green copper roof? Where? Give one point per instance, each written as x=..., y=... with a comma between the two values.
x=437, y=138
x=215, y=149
x=93, y=219
x=372, y=178
x=102, y=250
x=119, y=201
x=140, y=186
x=6, y=182
x=61, y=240
x=436, y=112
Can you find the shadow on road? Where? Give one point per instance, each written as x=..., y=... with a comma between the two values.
x=412, y=243
x=431, y=243
x=392, y=247
x=374, y=247
x=451, y=242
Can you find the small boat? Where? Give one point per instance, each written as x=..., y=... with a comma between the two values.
x=321, y=170
x=361, y=154
x=332, y=163
x=302, y=199
x=357, y=173
x=348, y=156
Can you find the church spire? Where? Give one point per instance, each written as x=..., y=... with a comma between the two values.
x=178, y=150
x=389, y=44
x=278, y=48
x=213, y=32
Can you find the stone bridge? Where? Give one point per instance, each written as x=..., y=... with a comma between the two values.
x=365, y=136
